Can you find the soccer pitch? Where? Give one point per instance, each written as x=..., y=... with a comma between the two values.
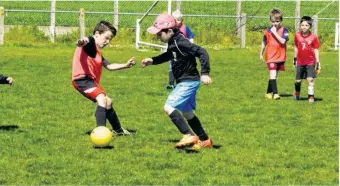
x=44, y=124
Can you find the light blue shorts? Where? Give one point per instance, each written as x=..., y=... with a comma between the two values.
x=183, y=97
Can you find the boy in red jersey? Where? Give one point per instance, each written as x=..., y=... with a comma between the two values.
x=6, y=80
x=187, y=33
x=306, y=58
x=274, y=44
x=86, y=71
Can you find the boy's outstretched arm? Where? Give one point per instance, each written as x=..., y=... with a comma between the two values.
x=116, y=66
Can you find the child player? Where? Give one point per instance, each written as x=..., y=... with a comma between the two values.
x=306, y=58
x=274, y=44
x=182, y=100
x=187, y=33
x=87, y=69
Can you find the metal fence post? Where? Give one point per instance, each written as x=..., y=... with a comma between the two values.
x=178, y=5
x=238, y=17
x=315, y=25
x=82, y=22
x=297, y=15
x=243, y=30
x=115, y=14
x=2, y=25
x=52, y=21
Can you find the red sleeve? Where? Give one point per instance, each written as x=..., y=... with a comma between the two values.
x=316, y=44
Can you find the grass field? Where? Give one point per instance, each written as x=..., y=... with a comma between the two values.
x=44, y=121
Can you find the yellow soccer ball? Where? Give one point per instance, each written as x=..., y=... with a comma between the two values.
x=101, y=136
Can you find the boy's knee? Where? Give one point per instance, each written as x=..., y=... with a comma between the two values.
x=108, y=102
x=188, y=115
x=298, y=81
x=101, y=100
x=168, y=109
x=310, y=81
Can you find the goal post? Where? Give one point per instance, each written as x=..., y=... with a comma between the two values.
x=337, y=39
x=139, y=40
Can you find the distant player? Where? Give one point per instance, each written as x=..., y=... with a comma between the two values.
x=182, y=100
x=274, y=44
x=6, y=80
x=185, y=30
x=306, y=58
x=87, y=69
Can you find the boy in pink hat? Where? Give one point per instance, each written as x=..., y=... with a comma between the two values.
x=182, y=100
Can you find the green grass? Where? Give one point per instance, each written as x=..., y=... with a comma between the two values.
x=260, y=141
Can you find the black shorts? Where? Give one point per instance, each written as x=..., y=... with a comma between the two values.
x=305, y=71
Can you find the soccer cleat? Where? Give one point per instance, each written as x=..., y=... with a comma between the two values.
x=202, y=144
x=296, y=96
x=187, y=140
x=311, y=99
x=276, y=97
x=170, y=87
x=121, y=132
x=268, y=96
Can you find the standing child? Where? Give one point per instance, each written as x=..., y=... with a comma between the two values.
x=182, y=100
x=6, y=80
x=274, y=44
x=185, y=30
x=86, y=71
x=306, y=58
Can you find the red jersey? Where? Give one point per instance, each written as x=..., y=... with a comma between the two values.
x=306, y=46
x=87, y=61
x=275, y=51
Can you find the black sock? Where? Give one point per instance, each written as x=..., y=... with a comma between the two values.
x=100, y=116
x=269, y=88
x=297, y=86
x=180, y=122
x=196, y=126
x=113, y=119
x=273, y=85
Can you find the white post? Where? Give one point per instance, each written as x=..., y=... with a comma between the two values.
x=169, y=7
x=243, y=30
x=337, y=37
x=137, y=33
x=115, y=14
x=297, y=15
x=2, y=25
x=82, y=22
x=238, y=17
x=52, y=23
x=315, y=25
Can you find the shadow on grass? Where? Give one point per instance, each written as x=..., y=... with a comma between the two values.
x=286, y=95
x=132, y=131
x=306, y=99
x=8, y=127
x=104, y=148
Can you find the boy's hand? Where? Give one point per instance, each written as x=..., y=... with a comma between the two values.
x=273, y=29
x=206, y=79
x=131, y=62
x=318, y=68
x=82, y=42
x=147, y=61
x=10, y=80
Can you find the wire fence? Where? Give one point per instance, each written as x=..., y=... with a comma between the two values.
x=201, y=16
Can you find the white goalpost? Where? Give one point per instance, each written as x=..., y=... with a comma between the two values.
x=337, y=39
x=138, y=27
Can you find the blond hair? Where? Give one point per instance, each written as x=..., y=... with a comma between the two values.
x=177, y=15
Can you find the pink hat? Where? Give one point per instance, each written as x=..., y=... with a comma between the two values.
x=163, y=21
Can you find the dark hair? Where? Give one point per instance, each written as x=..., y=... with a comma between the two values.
x=104, y=26
x=275, y=14
x=175, y=29
x=308, y=19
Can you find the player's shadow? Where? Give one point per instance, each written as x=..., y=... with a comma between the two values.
x=132, y=131
x=286, y=95
x=306, y=99
x=8, y=127
x=104, y=148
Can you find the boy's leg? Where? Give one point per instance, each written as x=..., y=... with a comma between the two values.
x=100, y=113
x=196, y=125
x=311, y=74
x=111, y=115
x=178, y=119
x=273, y=83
